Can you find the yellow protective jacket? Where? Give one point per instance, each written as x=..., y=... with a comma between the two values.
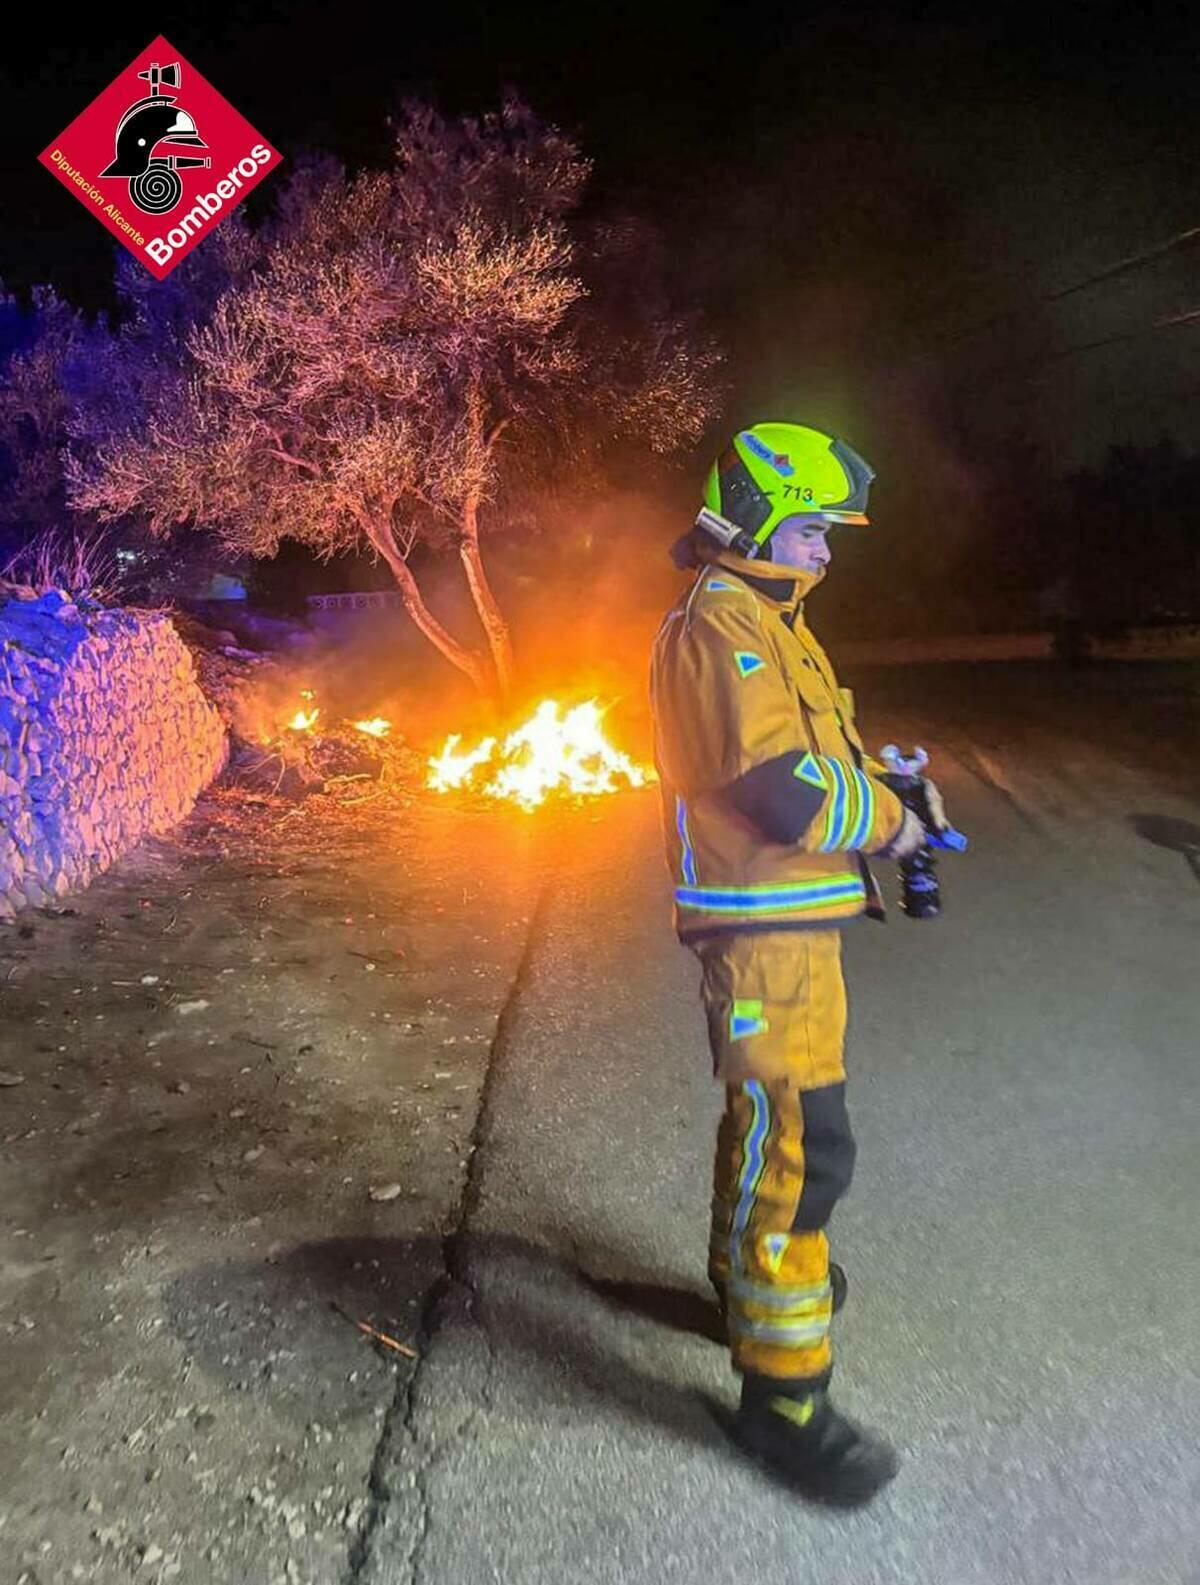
x=769, y=800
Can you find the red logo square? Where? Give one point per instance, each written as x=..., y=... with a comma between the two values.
x=160, y=158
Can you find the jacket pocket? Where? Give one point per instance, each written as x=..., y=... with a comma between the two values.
x=813, y=690
x=819, y=712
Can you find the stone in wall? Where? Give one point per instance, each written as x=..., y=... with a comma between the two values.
x=105, y=737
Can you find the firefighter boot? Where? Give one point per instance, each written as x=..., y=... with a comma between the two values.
x=793, y=1430
x=837, y=1281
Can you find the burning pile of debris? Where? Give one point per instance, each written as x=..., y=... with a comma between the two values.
x=289, y=743
x=301, y=752
x=549, y=755
x=284, y=742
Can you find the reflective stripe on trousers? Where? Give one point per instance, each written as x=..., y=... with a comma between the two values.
x=776, y=1275
x=785, y=1153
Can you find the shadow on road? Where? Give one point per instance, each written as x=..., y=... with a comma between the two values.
x=1178, y=836
x=681, y=1309
x=277, y=1327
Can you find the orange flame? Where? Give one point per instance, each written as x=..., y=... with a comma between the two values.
x=375, y=727
x=304, y=720
x=548, y=754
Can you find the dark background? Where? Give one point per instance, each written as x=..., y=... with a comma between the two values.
x=879, y=212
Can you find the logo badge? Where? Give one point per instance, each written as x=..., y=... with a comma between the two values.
x=777, y=459
x=160, y=158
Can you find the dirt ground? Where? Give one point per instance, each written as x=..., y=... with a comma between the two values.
x=238, y=1080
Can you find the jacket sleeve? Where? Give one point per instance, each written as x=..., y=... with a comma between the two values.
x=746, y=742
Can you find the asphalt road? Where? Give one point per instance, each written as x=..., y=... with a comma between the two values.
x=1021, y=1237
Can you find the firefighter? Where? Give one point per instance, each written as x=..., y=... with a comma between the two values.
x=769, y=806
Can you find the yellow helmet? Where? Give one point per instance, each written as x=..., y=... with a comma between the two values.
x=773, y=471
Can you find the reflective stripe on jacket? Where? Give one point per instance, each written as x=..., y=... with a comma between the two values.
x=768, y=798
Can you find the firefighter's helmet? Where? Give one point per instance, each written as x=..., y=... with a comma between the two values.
x=775, y=471
x=145, y=125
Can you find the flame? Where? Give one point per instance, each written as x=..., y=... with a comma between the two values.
x=546, y=755
x=305, y=719
x=451, y=770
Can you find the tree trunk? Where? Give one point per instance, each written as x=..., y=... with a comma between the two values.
x=490, y=615
x=469, y=661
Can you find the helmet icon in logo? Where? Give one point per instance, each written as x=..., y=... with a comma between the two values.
x=154, y=184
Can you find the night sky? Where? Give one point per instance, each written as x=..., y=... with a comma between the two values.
x=851, y=194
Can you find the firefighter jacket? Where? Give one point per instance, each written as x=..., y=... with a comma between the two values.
x=769, y=801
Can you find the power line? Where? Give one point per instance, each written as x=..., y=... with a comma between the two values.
x=1125, y=266
x=1135, y=261
x=1032, y=365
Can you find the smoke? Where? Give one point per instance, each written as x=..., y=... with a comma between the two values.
x=585, y=614
x=583, y=600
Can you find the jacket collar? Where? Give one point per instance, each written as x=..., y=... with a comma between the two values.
x=784, y=588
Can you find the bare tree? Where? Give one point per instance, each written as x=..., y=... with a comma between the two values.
x=76, y=381
x=36, y=395
x=407, y=341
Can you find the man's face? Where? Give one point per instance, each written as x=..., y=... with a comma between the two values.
x=802, y=542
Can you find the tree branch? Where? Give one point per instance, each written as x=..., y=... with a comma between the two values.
x=381, y=535
x=286, y=456
x=297, y=462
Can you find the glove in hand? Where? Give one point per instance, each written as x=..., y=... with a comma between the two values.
x=907, y=841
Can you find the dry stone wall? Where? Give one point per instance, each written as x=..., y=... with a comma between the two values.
x=105, y=737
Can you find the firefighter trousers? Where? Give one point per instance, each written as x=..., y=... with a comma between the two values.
x=776, y=1007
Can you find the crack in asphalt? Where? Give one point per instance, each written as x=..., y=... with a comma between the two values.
x=453, y=1290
